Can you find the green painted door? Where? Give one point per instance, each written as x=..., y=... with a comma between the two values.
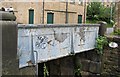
x=31, y=16
x=50, y=18
x=79, y=19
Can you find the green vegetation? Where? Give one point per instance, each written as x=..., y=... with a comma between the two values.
x=96, y=11
x=46, y=73
x=116, y=32
x=101, y=41
x=109, y=25
x=91, y=21
x=77, y=70
x=96, y=21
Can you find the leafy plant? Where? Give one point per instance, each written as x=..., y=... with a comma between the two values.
x=97, y=11
x=77, y=70
x=116, y=32
x=101, y=41
x=46, y=73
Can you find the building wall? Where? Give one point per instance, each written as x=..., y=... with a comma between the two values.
x=22, y=10
x=58, y=8
x=59, y=11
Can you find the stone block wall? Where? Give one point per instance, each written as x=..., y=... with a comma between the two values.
x=61, y=67
x=90, y=63
x=111, y=59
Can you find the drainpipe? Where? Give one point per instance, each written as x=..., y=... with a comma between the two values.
x=43, y=12
x=111, y=10
x=84, y=11
x=66, y=21
x=118, y=24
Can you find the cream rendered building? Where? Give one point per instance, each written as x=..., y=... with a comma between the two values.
x=47, y=12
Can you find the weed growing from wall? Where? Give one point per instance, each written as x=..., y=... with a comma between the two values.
x=46, y=73
x=101, y=41
x=77, y=70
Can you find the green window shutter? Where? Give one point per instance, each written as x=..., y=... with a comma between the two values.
x=79, y=19
x=50, y=18
x=31, y=16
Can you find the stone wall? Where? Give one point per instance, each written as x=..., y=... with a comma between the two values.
x=111, y=59
x=9, y=57
x=89, y=63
